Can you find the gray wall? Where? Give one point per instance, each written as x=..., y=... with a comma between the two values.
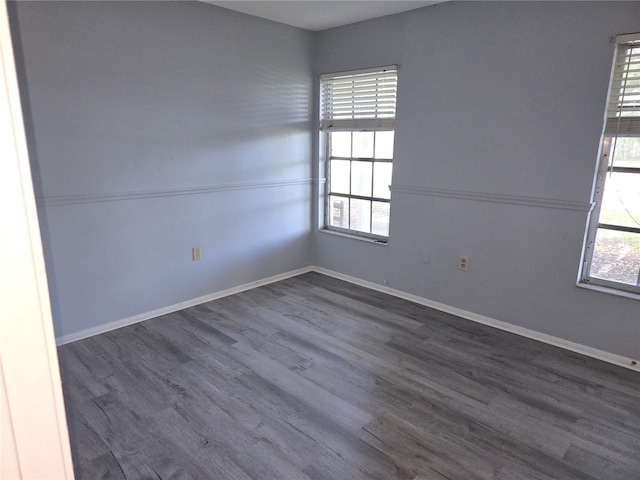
x=155, y=127
x=500, y=110
x=158, y=126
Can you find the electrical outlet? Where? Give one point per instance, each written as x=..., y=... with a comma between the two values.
x=426, y=256
x=463, y=263
x=195, y=253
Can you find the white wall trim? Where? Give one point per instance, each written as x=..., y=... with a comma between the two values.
x=54, y=200
x=494, y=198
x=491, y=322
x=107, y=327
x=474, y=317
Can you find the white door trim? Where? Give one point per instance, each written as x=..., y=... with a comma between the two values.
x=35, y=440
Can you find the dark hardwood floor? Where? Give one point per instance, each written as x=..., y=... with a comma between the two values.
x=315, y=378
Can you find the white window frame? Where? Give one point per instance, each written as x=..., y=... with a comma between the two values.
x=375, y=113
x=622, y=120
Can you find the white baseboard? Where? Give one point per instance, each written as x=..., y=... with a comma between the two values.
x=491, y=322
x=474, y=317
x=107, y=327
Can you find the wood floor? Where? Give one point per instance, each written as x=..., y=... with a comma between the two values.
x=315, y=378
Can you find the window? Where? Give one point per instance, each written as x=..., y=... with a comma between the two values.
x=612, y=249
x=357, y=115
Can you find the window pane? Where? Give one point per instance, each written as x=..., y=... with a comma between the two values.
x=616, y=256
x=361, y=215
x=381, y=180
x=380, y=219
x=362, y=144
x=626, y=152
x=361, y=178
x=341, y=144
x=339, y=182
x=621, y=200
x=384, y=145
x=339, y=212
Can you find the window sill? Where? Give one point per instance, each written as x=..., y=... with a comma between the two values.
x=609, y=290
x=355, y=237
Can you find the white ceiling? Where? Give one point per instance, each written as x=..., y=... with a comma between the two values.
x=321, y=14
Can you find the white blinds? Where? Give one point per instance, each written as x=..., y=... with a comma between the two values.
x=623, y=111
x=363, y=100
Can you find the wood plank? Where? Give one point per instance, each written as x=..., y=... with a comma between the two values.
x=315, y=378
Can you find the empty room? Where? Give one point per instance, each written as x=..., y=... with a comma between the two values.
x=311, y=240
